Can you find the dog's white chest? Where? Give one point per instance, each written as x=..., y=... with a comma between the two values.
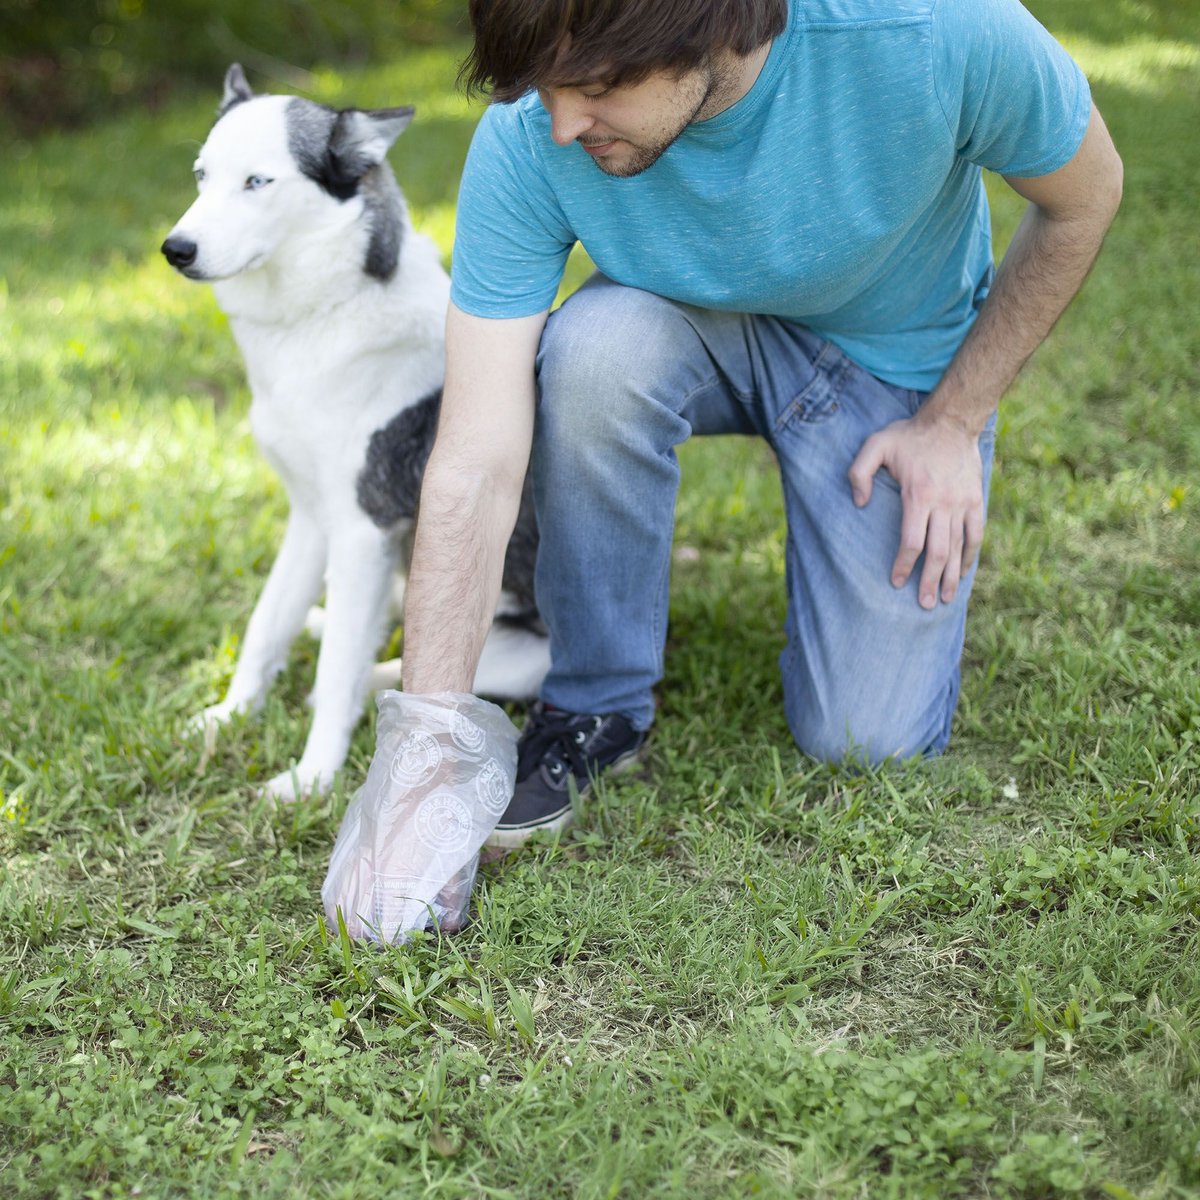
x=322, y=388
x=312, y=426
x=297, y=445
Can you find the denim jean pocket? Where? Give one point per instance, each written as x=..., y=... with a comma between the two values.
x=820, y=398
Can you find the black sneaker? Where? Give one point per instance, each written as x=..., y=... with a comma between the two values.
x=560, y=752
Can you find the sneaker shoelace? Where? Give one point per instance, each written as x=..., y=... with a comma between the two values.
x=556, y=738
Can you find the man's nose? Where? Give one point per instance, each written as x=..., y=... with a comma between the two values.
x=568, y=118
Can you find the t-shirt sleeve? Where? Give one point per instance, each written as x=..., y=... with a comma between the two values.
x=511, y=239
x=1015, y=101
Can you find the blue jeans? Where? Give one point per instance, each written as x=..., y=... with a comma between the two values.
x=624, y=376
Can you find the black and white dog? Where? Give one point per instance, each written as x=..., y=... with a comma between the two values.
x=338, y=307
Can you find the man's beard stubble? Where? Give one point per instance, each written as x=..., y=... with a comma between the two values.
x=644, y=157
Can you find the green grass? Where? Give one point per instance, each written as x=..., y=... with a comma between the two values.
x=740, y=975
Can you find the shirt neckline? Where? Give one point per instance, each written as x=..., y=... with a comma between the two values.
x=745, y=109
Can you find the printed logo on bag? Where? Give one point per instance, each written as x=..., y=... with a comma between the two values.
x=443, y=823
x=466, y=734
x=401, y=903
x=492, y=788
x=416, y=760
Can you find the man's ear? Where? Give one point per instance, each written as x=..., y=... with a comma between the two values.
x=361, y=138
x=236, y=89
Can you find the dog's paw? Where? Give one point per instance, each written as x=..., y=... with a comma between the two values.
x=298, y=783
x=384, y=675
x=211, y=719
x=314, y=622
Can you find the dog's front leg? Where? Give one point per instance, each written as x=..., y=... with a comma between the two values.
x=292, y=585
x=361, y=561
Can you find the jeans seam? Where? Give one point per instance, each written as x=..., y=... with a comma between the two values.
x=702, y=387
x=658, y=622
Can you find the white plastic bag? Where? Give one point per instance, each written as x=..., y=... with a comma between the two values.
x=408, y=848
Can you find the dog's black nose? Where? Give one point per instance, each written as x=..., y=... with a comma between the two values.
x=179, y=252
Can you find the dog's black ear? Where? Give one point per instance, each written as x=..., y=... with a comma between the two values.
x=360, y=139
x=236, y=89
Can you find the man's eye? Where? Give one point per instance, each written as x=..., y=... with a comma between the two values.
x=255, y=182
x=597, y=95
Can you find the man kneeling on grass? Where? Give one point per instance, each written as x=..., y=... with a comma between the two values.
x=784, y=200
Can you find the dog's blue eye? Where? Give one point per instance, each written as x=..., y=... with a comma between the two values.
x=199, y=174
x=255, y=182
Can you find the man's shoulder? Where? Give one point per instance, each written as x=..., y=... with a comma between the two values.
x=521, y=119
x=511, y=139
x=859, y=13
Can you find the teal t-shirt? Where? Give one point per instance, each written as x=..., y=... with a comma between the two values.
x=843, y=191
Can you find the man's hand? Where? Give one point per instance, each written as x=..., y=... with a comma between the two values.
x=937, y=464
x=443, y=773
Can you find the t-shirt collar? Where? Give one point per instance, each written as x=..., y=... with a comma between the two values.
x=737, y=115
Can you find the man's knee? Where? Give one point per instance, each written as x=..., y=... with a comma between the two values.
x=604, y=352
x=854, y=730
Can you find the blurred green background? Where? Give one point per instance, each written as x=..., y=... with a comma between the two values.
x=65, y=62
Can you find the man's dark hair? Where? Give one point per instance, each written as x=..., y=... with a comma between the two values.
x=523, y=44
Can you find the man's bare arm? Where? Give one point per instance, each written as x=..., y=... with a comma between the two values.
x=469, y=497
x=935, y=456
x=1051, y=253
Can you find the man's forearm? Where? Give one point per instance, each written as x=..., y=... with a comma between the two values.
x=1044, y=268
x=469, y=498
x=935, y=456
x=458, y=559
x=1047, y=261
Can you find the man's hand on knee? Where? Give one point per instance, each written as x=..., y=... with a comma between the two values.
x=937, y=464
